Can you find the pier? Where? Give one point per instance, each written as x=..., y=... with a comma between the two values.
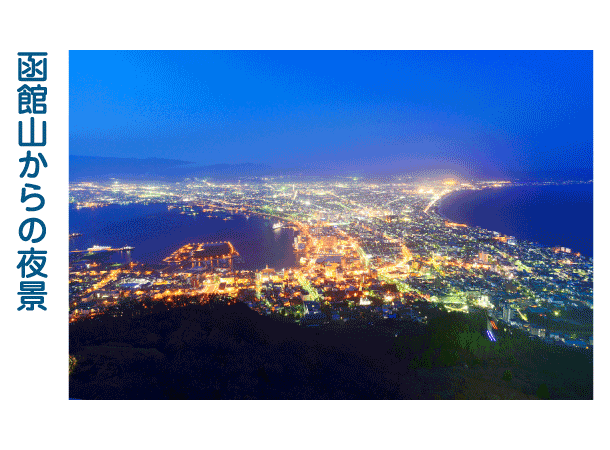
x=122, y=249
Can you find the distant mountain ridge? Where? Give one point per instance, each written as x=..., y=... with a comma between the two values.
x=85, y=168
x=97, y=168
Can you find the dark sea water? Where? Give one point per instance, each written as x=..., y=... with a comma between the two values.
x=550, y=215
x=156, y=232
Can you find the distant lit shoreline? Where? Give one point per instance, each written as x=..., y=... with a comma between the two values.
x=455, y=195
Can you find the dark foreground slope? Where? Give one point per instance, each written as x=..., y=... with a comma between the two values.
x=231, y=352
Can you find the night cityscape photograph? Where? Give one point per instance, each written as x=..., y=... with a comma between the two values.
x=331, y=225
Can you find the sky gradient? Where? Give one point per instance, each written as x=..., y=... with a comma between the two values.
x=475, y=112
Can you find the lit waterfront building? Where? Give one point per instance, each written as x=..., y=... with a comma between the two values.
x=507, y=314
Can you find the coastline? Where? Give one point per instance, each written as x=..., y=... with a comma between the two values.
x=444, y=199
x=533, y=227
x=148, y=250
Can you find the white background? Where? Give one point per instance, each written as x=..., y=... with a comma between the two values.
x=34, y=369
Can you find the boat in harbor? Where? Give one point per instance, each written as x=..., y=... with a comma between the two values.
x=277, y=225
x=99, y=248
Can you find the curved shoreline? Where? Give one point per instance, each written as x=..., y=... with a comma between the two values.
x=471, y=220
x=204, y=226
x=445, y=198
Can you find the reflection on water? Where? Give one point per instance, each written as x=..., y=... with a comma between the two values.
x=550, y=215
x=156, y=232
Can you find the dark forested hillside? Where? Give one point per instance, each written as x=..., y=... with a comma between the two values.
x=224, y=351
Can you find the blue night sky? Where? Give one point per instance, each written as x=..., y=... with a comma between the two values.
x=475, y=112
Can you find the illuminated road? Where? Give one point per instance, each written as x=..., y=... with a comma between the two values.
x=436, y=198
x=210, y=288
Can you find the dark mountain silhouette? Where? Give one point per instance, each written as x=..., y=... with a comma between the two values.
x=224, y=351
x=91, y=168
